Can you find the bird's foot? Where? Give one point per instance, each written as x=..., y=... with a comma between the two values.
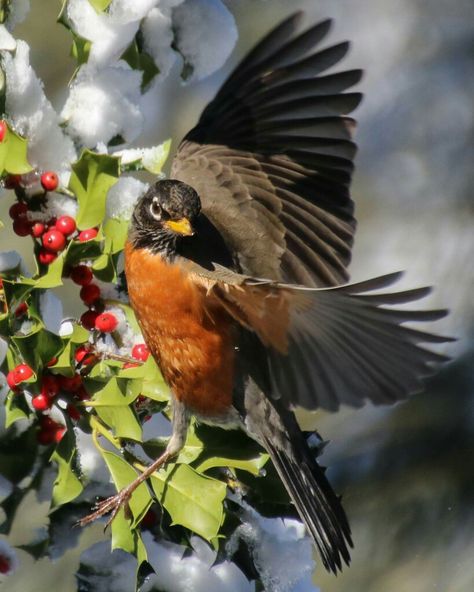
x=111, y=504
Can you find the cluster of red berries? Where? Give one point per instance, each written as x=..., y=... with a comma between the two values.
x=51, y=387
x=94, y=317
x=53, y=234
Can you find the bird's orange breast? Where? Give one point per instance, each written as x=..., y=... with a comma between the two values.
x=190, y=336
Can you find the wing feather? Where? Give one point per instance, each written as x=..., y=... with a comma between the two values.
x=272, y=158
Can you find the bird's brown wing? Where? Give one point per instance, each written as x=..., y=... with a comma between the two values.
x=271, y=158
x=329, y=346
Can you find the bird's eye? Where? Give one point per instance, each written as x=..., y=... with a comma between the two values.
x=155, y=209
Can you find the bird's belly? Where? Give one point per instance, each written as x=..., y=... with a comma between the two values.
x=191, y=339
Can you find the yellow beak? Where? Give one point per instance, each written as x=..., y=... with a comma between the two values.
x=181, y=226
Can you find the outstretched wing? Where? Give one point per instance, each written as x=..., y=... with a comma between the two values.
x=330, y=346
x=271, y=158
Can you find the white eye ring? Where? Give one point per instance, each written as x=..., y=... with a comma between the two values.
x=155, y=209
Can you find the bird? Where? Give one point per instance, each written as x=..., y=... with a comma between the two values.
x=236, y=267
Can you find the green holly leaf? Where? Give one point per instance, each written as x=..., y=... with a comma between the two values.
x=92, y=177
x=123, y=474
x=53, y=276
x=13, y=154
x=15, y=409
x=38, y=347
x=142, y=61
x=192, y=500
x=229, y=448
x=67, y=485
x=80, y=49
x=149, y=159
x=116, y=231
x=113, y=408
x=100, y=5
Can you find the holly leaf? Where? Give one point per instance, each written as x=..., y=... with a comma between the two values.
x=80, y=49
x=100, y=5
x=229, y=448
x=123, y=474
x=142, y=61
x=53, y=276
x=116, y=231
x=112, y=406
x=91, y=178
x=67, y=485
x=13, y=154
x=194, y=501
x=14, y=409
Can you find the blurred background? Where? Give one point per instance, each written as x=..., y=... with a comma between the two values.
x=407, y=473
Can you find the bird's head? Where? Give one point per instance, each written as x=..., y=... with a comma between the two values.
x=164, y=216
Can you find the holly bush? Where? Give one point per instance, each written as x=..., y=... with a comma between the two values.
x=87, y=382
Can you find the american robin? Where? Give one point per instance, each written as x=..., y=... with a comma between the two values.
x=235, y=269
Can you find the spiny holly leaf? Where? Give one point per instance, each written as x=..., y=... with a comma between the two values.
x=192, y=500
x=224, y=448
x=38, y=347
x=13, y=154
x=67, y=485
x=112, y=406
x=92, y=176
x=53, y=276
x=123, y=474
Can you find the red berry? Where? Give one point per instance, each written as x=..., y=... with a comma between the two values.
x=81, y=275
x=5, y=564
x=66, y=225
x=21, y=309
x=52, y=362
x=50, y=386
x=58, y=434
x=54, y=240
x=11, y=380
x=106, y=322
x=87, y=235
x=140, y=352
x=88, y=319
x=73, y=412
x=45, y=436
x=37, y=230
x=49, y=181
x=41, y=402
x=22, y=226
x=18, y=210
x=70, y=383
x=84, y=356
x=148, y=520
x=46, y=257
x=3, y=130
x=22, y=372
x=89, y=294
x=47, y=423
x=12, y=181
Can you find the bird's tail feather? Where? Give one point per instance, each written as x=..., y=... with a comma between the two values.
x=317, y=504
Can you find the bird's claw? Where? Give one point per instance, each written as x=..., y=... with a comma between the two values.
x=111, y=504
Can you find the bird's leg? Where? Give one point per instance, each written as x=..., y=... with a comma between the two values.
x=175, y=444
